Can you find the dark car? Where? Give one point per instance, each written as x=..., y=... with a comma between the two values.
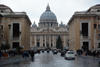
x=25, y=54
x=79, y=52
x=55, y=52
x=42, y=51
x=48, y=51
x=63, y=52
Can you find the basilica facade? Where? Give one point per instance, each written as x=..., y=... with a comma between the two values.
x=47, y=31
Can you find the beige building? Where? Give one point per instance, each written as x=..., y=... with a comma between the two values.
x=47, y=32
x=0, y=28
x=84, y=29
x=15, y=28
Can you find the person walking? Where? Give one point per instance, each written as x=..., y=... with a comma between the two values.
x=32, y=54
x=94, y=53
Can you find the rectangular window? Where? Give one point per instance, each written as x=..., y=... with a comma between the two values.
x=1, y=27
x=98, y=35
x=99, y=18
x=85, y=29
x=16, y=30
x=98, y=45
x=98, y=10
x=98, y=26
x=2, y=35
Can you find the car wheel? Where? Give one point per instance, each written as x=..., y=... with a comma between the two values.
x=23, y=56
x=65, y=58
x=73, y=58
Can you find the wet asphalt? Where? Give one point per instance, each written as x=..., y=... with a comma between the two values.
x=51, y=60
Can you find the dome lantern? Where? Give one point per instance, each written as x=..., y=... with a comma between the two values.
x=48, y=15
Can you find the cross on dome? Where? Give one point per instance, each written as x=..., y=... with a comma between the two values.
x=48, y=8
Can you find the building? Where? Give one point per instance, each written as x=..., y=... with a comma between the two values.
x=84, y=29
x=0, y=28
x=15, y=28
x=46, y=34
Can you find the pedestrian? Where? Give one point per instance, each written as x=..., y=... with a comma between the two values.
x=32, y=54
x=86, y=53
x=94, y=53
x=1, y=54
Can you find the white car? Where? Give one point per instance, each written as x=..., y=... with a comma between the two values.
x=70, y=55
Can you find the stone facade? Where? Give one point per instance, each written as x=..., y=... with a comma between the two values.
x=15, y=28
x=48, y=31
x=0, y=28
x=84, y=29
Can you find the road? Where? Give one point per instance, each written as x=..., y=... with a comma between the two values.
x=51, y=60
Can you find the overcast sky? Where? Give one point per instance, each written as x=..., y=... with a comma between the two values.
x=63, y=9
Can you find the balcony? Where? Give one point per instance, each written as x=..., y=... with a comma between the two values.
x=86, y=38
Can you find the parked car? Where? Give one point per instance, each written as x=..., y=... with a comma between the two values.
x=48, y=51
x=42, y=51
x=55, y=52
x=80, y=51
x=63, y=52
x=25, y=53
x=75, y=53
x=70, y=55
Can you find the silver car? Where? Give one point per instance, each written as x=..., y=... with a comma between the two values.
x=70, y=55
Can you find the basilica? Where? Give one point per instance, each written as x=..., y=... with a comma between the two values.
x=47, y=31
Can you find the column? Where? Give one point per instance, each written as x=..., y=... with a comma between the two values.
x=45, y=41
x=64, y=38
x=30, y=41
x=49, y=41
x=41, y=41
x=35, y=41
x=95, y=38
x=53, y=42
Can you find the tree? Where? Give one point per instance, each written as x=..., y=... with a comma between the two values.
x=6, y=46
x=19, y=48
x=59, y=43
x=84, y=47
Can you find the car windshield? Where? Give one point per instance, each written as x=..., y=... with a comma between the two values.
x=25, y=52
x=70, y=52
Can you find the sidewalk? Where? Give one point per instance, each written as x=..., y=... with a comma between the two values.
x=88, y=56
x=8, y=58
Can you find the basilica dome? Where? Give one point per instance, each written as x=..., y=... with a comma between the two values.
x=48, y=15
